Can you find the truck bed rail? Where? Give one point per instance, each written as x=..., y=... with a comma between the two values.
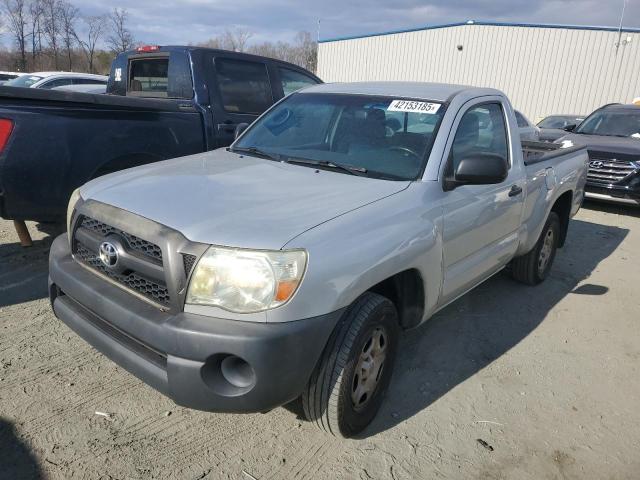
x=25, y=95
x=536, y=152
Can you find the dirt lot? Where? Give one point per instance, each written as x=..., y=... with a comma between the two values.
x=546, y=376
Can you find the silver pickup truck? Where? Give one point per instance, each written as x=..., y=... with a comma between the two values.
x=287, y=265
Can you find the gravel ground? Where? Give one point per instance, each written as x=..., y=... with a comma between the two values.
x=509, y=382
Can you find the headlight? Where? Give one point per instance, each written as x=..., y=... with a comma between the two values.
x=75, y=196
x=246, y=281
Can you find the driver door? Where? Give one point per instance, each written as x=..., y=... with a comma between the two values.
x=480, y=222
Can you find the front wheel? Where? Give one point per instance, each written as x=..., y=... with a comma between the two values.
x=534, y=267
x=346, y=389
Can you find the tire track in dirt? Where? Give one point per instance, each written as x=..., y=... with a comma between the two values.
x=298, y=463
x=50, y=418
x=27, y=333
x=35, y=374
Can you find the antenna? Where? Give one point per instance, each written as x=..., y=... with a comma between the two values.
x=624, y=5
x=318, y=36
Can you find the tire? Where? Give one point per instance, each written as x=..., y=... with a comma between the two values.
x=369, y=327
x=534, y=267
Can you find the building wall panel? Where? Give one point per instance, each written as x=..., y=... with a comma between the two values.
x=543, y=70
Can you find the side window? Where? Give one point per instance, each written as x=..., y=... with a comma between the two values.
x=481, y=130
x=57, y=83
x=293, y=81
x=522, y=122
x=88, y=81
x=244, y=86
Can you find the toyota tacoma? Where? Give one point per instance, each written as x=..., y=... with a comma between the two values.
x=287, y=265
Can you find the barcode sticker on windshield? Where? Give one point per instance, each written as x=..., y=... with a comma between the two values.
x=413, y=107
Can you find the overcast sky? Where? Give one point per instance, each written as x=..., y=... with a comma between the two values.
x=190, y=21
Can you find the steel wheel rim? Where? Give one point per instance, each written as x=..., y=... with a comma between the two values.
x=546, y=251
x=369, y=368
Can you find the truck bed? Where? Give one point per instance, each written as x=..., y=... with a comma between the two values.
x=35, y=96
x=536, y=152
x=550, y=168
x=61, y=139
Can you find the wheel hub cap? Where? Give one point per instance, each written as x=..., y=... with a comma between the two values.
x=369, y=368
x=546, y=251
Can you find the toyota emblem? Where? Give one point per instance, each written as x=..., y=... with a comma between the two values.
x=108, y=254
x=596, y=164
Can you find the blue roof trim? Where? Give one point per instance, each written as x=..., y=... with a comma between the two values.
x=490, y=24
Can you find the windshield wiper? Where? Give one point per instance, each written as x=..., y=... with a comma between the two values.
x=255, y=151
x=353, y=170
x=604, y=134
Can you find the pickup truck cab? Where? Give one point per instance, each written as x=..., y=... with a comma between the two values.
x=161, y=102
x=286, y=265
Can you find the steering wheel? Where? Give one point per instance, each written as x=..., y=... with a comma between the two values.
x=406, y=150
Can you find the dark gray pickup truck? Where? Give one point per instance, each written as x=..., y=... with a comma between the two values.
x=161, y=103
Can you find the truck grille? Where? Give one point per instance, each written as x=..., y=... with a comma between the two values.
x=142, y=246
x=609, y=170
x=188, y=261
x=86, y=250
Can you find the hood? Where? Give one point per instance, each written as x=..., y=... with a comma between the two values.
x=224, y=198
x=551, y=134
x=606, y=144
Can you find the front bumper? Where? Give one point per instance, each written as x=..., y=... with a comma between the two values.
x=181, y=355
x=611, y=193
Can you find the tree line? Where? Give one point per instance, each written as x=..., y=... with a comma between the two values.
x=303, y=51
x=56, y=35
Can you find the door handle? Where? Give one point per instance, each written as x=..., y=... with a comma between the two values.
x=515, y=190
x=227, y=127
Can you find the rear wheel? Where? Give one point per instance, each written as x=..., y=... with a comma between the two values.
x=347, y=387
x=534, y=267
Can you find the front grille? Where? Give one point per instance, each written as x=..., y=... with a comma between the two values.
x=609, y=170
x=151, y=288
x=189, y=261
x=137, y=244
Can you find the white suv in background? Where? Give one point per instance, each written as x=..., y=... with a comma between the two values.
x=56, y=79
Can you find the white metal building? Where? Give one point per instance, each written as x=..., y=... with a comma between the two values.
x=544, y=69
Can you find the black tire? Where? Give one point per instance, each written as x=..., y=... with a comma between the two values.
x=527, y=268
x=327, y=399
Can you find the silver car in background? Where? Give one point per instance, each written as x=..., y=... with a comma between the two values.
x=83, y=88
x=50, y=80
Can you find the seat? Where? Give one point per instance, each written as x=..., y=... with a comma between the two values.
x=371, y=133
x=136, y=86
x=360, y=130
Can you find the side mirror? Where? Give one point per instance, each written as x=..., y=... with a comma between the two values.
x=241, y=127
x=570, y=128
x=480, y=169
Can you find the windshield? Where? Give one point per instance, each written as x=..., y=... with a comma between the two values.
x=558, y=121
x=24, y=81
x=382, y=137
x=616, y=123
